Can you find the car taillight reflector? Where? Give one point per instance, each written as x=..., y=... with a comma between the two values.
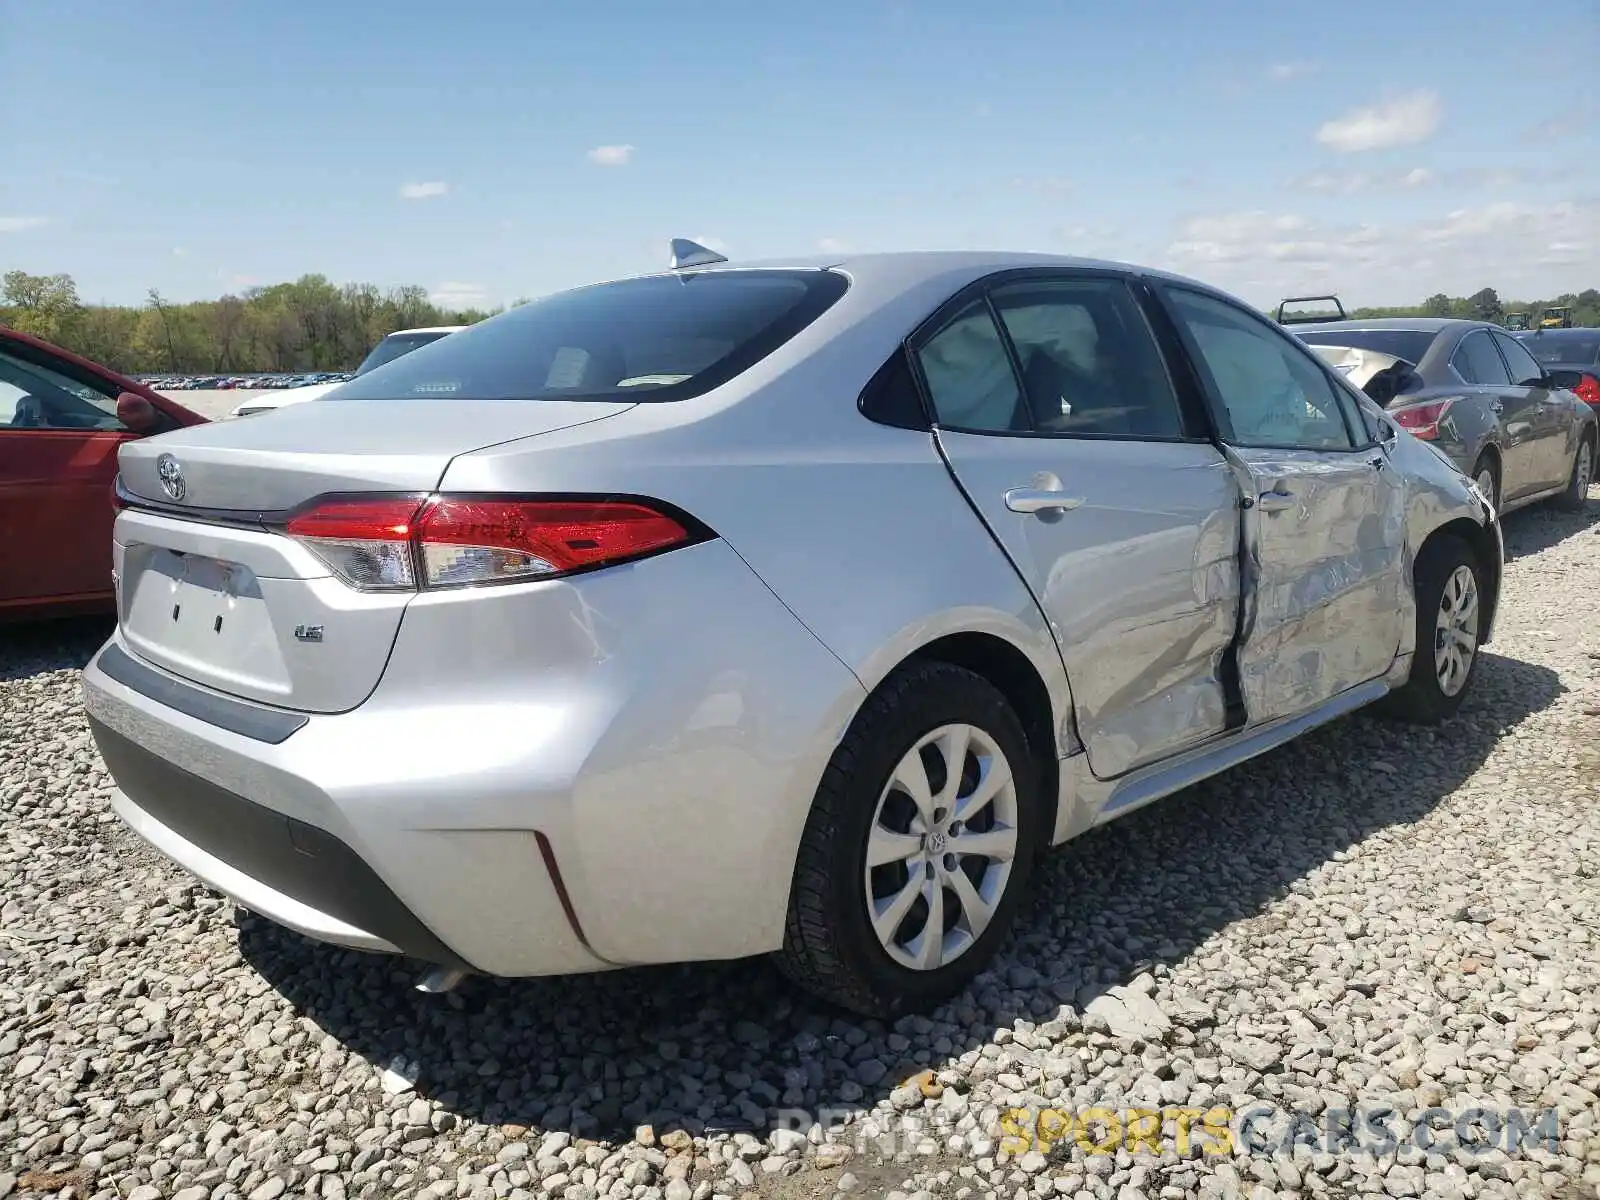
x=1588, y=390
x=1421, y=420
x=450, y=541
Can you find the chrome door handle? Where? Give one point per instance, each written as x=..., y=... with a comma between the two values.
x=1275, y=501
x=1037, y=500
x=1498, y=407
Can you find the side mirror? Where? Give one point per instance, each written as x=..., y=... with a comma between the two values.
x=137, y=414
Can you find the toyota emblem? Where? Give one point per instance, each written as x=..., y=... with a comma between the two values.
x=171, y=476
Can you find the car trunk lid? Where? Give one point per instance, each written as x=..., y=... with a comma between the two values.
x=212, y=590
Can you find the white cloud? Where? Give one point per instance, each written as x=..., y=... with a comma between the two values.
x=1517, y=248
x=833, y=245
x=179, y=252
x=18, y=224
x=454, y=295
x=1346, y=183
x=611, y=156
x=423, y=191
x=1399, y=121
x=1285, y=71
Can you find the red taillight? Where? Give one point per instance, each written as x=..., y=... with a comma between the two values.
x=1588, y=390
x=1422, y=420
x=395, y=543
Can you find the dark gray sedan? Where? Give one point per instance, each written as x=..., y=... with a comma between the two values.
x=1477, y=394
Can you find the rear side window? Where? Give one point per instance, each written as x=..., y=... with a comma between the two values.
x=969, y=376
x=1477, y=361
x=664, y=337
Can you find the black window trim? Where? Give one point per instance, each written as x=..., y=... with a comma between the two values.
x=982, y=288
x=1361, y=438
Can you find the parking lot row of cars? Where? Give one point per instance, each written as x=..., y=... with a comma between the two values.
x=793, y=609
x=262, y=382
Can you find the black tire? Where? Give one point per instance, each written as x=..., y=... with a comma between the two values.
x=1487, y=463
x=1422, y=699
x=1577, y=493
x=829, y=946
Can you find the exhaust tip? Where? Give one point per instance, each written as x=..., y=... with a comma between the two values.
x=436, y=981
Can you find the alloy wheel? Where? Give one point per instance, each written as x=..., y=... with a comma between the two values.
x=941, y=847
x=1456, y=630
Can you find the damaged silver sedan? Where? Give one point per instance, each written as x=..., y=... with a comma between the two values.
x=789, y=607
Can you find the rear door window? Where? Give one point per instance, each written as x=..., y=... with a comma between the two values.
x=1089, y=363
x=1524, y=370
x=657, y=338
x=1477, y=361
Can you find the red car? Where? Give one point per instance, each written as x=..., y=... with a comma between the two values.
x=62, y=419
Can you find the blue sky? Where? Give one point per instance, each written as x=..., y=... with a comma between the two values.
x=498, y=148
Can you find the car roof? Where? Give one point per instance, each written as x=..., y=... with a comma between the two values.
x=1433, y=325
x=1578, y=331
x=906, y=269
x=428, y=329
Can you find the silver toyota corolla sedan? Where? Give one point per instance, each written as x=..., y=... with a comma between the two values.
x=787, y=607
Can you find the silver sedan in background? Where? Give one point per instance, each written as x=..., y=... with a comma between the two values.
x=789, y=607
x=1475, y=392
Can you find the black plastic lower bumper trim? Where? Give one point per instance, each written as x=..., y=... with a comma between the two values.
x=287, y=855
x=248, y=720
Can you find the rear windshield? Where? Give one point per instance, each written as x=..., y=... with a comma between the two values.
x=663, y=337
x=1547, y=349
x=1409, y=344
x=396, y=345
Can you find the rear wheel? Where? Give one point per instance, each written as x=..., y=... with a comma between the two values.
x=1487, y=476
x=1577, y=493
x=919, y=843
x=1450, y=612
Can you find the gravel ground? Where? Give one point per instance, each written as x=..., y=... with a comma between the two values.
x=1370, y=916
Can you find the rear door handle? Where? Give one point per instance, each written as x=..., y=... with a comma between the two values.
x=1037, y=500
x=1498, y=407
x=1275, y=501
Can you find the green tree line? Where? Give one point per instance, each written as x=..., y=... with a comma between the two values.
x=308, y=325
x=313, y=324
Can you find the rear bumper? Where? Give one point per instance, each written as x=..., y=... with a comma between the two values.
x=295, y=873
x=548, y=778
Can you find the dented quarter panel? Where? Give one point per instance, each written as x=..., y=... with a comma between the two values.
x=1437, y=493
